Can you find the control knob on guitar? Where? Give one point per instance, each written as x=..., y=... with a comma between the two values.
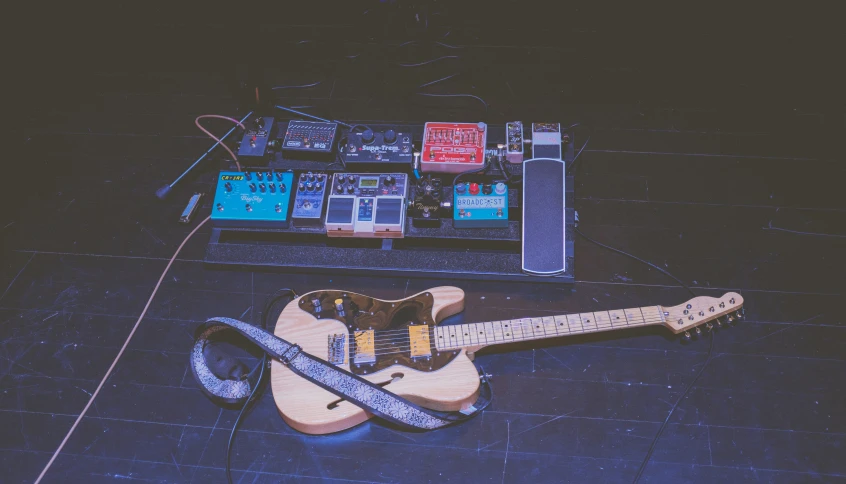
x=400, y=346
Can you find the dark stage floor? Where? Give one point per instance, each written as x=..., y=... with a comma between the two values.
x=720, y=199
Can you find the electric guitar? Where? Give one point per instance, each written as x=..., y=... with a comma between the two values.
x=399, y=345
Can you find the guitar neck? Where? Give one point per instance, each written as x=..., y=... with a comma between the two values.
x=477, y=335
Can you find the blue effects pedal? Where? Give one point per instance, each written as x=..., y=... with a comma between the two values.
x=252, y=199
x=480, y=206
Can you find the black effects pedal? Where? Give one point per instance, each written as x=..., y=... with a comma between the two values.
x=390, y=148
x=427, y=202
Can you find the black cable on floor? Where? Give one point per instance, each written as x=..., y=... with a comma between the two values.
x=284, y=293
x=698, y=374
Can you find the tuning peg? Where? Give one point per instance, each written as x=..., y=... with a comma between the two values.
x=740, y=313
x=709, y=326
x=687, y=335
x=698, y=331
x=718, y=322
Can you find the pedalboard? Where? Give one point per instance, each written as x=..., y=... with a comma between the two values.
x=310, y=139
x=478, y=204
x=257, y=140
x=453, y=147
x=309, y=201
x=514, y=142
x=380, y=150
x=426, y=202
x=252, y=199
x=367, y=205
x=546, y=140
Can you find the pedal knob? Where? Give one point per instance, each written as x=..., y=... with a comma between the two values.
x=228, y=187
x=278, y=176
x=310, y=186
x=390, y=136
x=301, y=187
x=500, y=189
x=259, y=176
x=262, y=187
x=350, y=189
x=339, y=188
x=351, y=178
x=367, y=136
x=318, y=186
x=389, y=180
x=474, y=188
x=487, y=189
x=272, y=187
x=252, y=187
x=248, y=175
x=282, y=188
x=310, y=176
x=460, y=188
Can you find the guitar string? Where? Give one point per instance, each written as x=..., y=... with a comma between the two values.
x=521, y=325
x=399, y=343
x=524, y=323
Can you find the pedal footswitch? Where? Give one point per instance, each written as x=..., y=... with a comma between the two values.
x=367, y=205
x=309, y=202
x=480, y=205
x=252, y=199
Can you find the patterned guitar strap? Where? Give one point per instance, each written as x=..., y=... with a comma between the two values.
x=339, y=381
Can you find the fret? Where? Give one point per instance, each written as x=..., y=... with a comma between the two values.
x=549, y=326
x=439, y=338
x=483, y=332
x=634, y=316
x=603, y=320
x=575, y=323
x=508, y=330
x=490, y=334
x=517, y=331
x=465, y=335
x=561, y=325
x=617, y=318
x=537, y=327
x=499, y=333
x=651, y=315
x=474, y=332
x=588, y=322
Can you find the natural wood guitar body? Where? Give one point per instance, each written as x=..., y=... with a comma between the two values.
x=313, y=410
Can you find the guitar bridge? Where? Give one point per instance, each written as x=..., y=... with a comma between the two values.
x=336, y=348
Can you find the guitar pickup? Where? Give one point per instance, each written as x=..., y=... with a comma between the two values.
x=418, y=336
x=336, y=348
x=365, y=347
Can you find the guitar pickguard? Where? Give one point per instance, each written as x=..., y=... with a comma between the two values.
x=380, y=333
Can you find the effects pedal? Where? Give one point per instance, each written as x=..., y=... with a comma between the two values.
x=390, y=149
x=480, y=205
x=258, y=140
x=546, y=140
x=367, y=205
x=544, y=224
x=252, y=199
x=310, y=139
x=309, y=200
x=426, y=203
x=453, y=147
x=514, y=142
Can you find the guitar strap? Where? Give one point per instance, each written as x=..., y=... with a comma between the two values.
x=339, y=381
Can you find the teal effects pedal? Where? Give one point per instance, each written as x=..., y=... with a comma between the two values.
x=252, y=199
x=480, y=205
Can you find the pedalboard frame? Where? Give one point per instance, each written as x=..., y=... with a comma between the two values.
x=426, y=250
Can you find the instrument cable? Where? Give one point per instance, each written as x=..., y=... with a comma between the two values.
x=120, y=353
x=283, y=293
x=698, y=374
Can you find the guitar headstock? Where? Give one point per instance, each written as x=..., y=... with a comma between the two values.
x=703, y=312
